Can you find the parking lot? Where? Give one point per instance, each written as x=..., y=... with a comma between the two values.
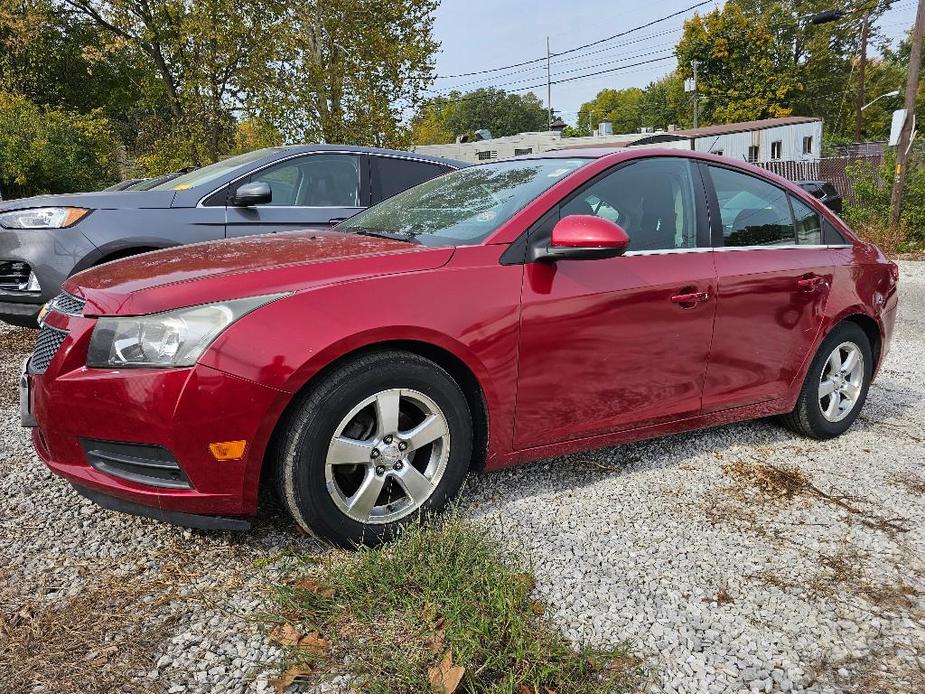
x=735, y=559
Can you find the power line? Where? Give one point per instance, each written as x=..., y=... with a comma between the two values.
x=583, y=46
x=535, y=68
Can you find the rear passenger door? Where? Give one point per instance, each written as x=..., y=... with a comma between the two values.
x=389, y=175
x=313, y=190
x=774, y=276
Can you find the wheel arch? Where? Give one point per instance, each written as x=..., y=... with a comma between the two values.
x=871, y=328
x=457, y=367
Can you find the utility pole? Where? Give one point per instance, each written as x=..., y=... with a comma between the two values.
x=694, y=65
x=862, y=67
x=905, y=135
x=548, y=89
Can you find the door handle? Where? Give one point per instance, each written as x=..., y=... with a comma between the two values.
x=692, y=298
x=811, y=283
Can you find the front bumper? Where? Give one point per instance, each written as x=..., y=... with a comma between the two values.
x=180, y=410
x=53, y=255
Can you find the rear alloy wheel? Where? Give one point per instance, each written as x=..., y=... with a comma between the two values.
x=377, y=442
x=836, y=384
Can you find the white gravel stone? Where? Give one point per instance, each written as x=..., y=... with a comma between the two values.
x=635, y=543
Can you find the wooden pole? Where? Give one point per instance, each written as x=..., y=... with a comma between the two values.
x=905, y=136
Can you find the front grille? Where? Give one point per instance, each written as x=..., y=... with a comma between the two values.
x=46, y=347
x=68, y=303
x=14, y=274
x=151, y=465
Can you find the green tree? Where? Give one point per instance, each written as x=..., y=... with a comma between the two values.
x=353, y=68
x=213, y=58
x=443, y=118
x=665, y=103
x=45, y=150
x=743, y=75
x=622, y=107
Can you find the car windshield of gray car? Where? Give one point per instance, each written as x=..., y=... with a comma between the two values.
x=463, y=207
x=213, y=171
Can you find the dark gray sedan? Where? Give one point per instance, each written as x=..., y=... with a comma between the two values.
x=43, y=240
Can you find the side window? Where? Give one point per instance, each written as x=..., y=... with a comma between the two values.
x=809, y=228
x=753, y=212
x=653, y=200
x=315, y=180
x=390, y=176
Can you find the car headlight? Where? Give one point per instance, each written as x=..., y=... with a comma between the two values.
x=42, y=218
x=174, y=338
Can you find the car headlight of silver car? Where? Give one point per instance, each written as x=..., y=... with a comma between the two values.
x=174, y=338
x=43, y=218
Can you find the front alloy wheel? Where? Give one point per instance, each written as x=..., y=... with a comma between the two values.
x=378, y=441
x=388, y=456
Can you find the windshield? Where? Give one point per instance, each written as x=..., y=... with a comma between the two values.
x=213, y=171
x=463, y=207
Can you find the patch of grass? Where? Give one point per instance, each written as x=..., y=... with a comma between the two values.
x=437, y=609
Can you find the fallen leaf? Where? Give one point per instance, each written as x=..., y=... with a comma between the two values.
x=437, y=641
x=286, y=679
x=445, y=677
x=313, y=642
x=285, y=635
x=526, y=580
x=537, y=608
x=314, y=586
x=524, y=689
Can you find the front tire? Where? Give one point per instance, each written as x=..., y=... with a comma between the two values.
x=836, y=384
x=379, y=441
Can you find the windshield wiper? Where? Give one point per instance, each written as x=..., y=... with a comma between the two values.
x=378, y=233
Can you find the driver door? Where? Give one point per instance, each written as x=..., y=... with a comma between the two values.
x=606, y=344
x=315, y=190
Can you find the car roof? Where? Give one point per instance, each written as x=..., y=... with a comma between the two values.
x=288, y=150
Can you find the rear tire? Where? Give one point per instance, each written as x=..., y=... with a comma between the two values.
x=836, y=385
x=383, y=439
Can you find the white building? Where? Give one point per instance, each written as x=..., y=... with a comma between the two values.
x=523, y=143
x=795, y=138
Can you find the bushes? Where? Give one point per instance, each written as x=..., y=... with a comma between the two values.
x=869, y=214
x=51, y=151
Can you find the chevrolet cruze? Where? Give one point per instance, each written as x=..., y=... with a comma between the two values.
x=498, y=314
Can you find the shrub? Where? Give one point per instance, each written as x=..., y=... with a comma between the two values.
x=51, y=151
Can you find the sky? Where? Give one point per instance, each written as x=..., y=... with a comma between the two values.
x=483, y=34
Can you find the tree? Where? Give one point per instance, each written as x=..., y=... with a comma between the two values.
x=622, y=107
x=55, y=57
x=743, y=75
x=443, y=118
x=212, y=57
x=353, y=68
x=44, y=150
x=665, y=103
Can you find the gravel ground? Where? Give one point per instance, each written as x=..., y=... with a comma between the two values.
x=738, y=559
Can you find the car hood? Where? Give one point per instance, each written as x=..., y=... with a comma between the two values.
x=247, y=266
x=102, y=200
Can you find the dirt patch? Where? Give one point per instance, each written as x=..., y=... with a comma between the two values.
x=16, y=343
x=914, y=484
x=97, y=640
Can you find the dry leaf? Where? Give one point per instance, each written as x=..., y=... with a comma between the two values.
x=524, y=689
x=436, y=642
x=314, y=586
x=537, y=608
x=313, y=642
x=526, y=579
x=285, y=635
x=445, y=677
x=285, y=680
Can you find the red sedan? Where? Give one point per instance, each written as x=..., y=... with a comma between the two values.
x=498, y=314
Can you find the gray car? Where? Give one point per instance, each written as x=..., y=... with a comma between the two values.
x=44, y=240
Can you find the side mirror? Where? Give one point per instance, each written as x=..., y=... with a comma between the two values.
x=252, y=194
x=583, y=237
